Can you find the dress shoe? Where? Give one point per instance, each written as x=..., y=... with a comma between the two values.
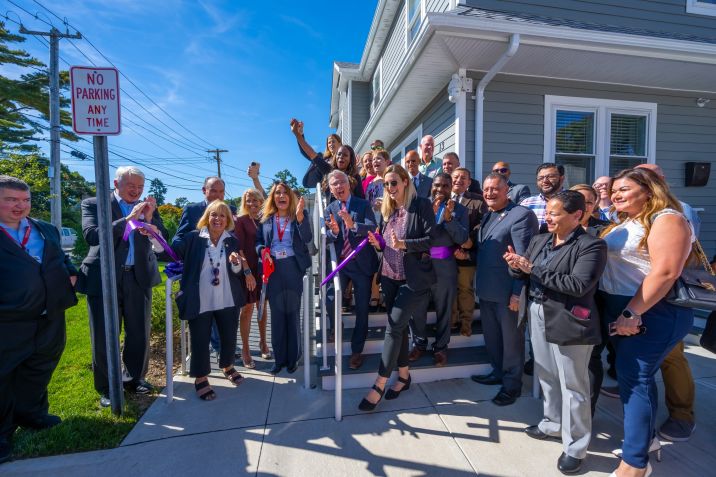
x=5, y=449
x=504, y=398
x=535, y=433
x=356, y=361
x=440, y=358
x=415, y=354
x=275, y=369
x=39, y=422
x=366, y=405
x=489, y=379
x=104, y=401
x=394, y=394
x=291, y=368
x=138, y=386
x=568, y=464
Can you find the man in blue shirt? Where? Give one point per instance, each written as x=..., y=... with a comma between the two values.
x=37, y=288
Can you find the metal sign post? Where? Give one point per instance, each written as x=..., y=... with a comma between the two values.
x=96, y=111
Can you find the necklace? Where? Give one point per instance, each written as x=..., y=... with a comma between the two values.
x=215, y=269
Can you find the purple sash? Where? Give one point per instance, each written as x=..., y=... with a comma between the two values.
x=441, y=253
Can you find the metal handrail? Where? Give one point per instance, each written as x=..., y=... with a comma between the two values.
x=307, y=298
x=338, y=333
x=168, y=308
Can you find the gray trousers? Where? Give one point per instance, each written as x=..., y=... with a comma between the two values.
x=564, y=378
x=505, y=343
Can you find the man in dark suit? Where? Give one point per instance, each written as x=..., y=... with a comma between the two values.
x=348, y=221
x=450, y=232
x=423, y=184
x=37, y=288
x=506, y=224
x=464, y=305
x=213, y=189
x=516, y=192
x=136, y=273
x=451, y=161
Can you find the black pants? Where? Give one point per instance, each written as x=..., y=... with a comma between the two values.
x=135, y=308
x=284, y=291
x=29, y=352
x=401, y=302
x=596, y=369
x=227, y=322
x=442, y=293
x=361, y=293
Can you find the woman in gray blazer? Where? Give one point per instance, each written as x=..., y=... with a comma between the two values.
x=562, y=270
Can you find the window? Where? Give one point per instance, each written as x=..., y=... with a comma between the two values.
x=409, y=143
x=413, y=19
x=596, y=137
x=701, y=7
x=375, y=86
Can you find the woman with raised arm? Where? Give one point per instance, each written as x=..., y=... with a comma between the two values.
x=647, y=251
x=406, y=223
x=246, y=228
x=211, y=290
x=285, y=230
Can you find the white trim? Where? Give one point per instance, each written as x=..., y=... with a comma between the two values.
x=701, y=8
x=602, y=109
x=400, y=148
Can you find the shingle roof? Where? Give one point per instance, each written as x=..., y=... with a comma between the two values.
x=520, y=17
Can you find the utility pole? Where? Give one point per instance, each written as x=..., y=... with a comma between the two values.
x=54, y=172
x=217, y=158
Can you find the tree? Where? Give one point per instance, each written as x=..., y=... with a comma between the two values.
x=170, y=215
x=158, y=190
x=287, y=177
x=181, y=201
x=21, y=99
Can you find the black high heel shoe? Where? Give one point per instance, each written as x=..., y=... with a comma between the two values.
x=366, y=405
x=394, y=394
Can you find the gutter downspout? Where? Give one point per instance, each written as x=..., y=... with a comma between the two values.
x=480, y=100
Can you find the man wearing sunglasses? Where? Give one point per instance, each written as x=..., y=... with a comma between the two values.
x=550, y=178
x=516, y=192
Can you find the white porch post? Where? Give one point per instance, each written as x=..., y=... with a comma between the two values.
x=461, y=115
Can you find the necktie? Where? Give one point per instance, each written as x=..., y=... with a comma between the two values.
x=346, y=243
x=415, y=181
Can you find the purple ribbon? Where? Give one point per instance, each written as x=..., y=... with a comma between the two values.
x=441, y=253
x=345, y=261
x=136, y=224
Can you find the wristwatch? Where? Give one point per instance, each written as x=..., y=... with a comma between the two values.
x=247, y=271
x=630, y=315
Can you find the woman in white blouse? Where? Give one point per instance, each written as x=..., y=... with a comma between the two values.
x=211, y=291
x=647, y=250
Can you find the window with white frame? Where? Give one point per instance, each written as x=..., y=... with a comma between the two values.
x=413, y=19
x=410, y=143
x=597, y=137
x=375, y=87
x=701, y=7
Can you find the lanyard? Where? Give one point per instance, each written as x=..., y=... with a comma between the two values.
x=280, y=230
x=25, y=238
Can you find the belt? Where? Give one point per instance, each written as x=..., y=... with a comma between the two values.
x=537, y=298
x=127, y=268
x=441, y=253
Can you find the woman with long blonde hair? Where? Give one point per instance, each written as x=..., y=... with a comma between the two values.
x=285, y=230
x=647, y=251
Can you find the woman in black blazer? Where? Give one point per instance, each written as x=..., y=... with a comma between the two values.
x=211, y=291
x=562, y=269
x=406, y=223
x=286, y=231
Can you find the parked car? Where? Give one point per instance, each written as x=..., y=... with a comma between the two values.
x=69, y=237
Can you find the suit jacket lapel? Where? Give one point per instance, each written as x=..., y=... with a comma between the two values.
x=116, y=209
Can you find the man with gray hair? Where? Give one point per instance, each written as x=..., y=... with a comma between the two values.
x=37, y=288
x=136, y=273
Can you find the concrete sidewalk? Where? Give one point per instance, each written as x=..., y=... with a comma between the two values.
x=272, y=426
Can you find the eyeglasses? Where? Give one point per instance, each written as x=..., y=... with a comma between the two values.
x=549, y=177
x=501, y=170
x=391, y=184
x=215, y=281
x=376, y=148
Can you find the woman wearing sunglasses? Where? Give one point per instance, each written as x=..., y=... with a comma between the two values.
x=211, y=290
x=285, y=230
x=406, y=223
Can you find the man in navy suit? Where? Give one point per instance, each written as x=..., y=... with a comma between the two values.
x=37, y=288
x=505, y=225
x=423, y=184
x=348, y=221
x=213, y=189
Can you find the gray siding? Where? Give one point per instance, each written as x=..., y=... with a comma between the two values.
x=666, y=16
x=514, y=132
x=394, y=50
x=360, y=108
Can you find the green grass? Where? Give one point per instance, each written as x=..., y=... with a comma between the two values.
x=72, y=397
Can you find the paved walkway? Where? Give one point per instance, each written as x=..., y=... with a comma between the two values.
x=271, y=426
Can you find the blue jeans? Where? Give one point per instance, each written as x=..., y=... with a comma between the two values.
x=638, y=359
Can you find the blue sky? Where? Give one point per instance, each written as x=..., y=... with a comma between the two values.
x=233, y=73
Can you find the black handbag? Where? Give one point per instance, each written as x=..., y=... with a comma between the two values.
x=708, y=337
x=696, y=287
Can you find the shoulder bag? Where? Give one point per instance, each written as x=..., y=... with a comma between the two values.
x=696, y=287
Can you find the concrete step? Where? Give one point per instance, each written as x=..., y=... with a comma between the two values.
x=462, y=363
x=376, y=335
x=379, y=319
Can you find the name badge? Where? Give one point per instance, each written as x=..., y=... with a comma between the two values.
x=281, y=254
